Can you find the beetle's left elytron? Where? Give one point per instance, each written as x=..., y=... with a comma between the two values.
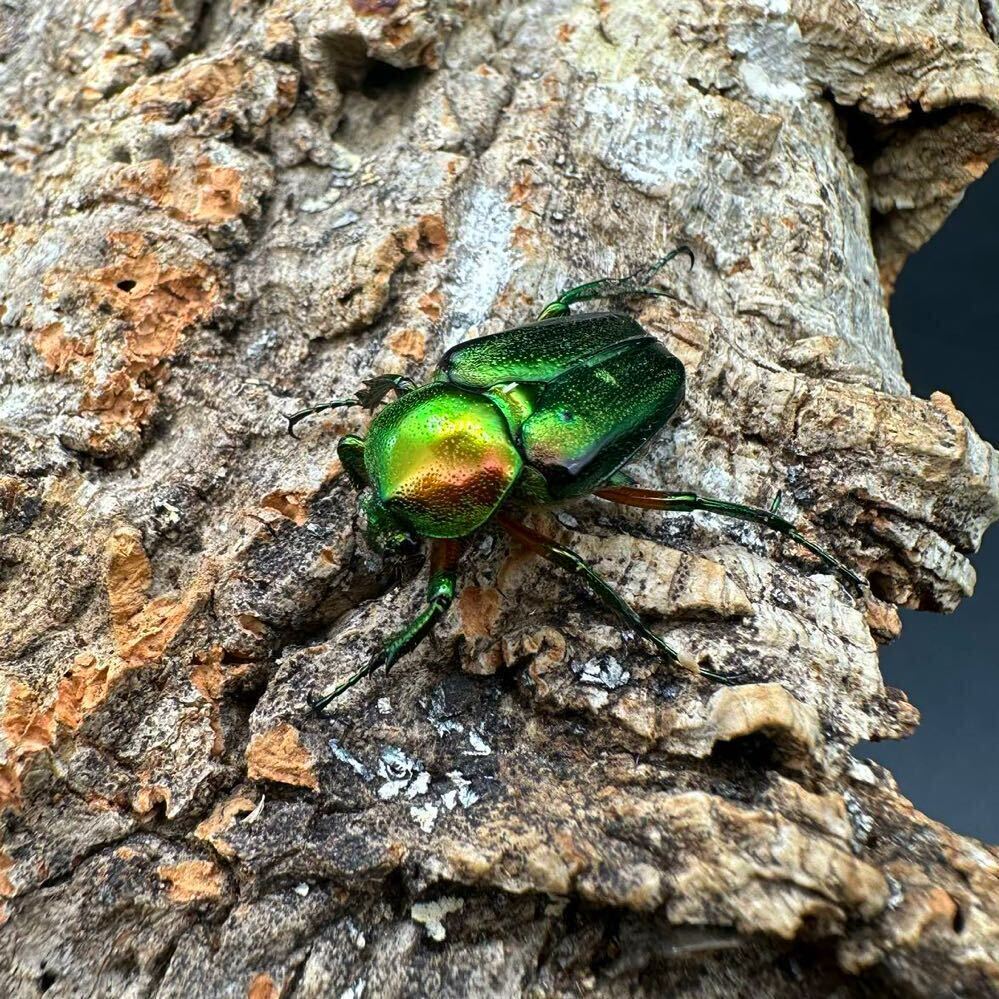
x=527, y=417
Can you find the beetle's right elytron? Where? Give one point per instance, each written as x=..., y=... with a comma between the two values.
x=527, y=417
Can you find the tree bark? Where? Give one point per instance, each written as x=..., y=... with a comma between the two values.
x=220, y=212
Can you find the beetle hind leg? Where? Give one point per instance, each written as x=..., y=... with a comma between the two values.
x=654, y=499
x=572, y=563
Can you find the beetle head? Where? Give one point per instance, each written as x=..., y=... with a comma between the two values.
x=386, y=533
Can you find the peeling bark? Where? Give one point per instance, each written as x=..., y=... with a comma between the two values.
x=215, y=213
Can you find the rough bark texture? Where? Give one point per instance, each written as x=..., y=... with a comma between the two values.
x=218, y=212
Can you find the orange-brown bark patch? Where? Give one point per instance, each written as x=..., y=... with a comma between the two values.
x=408, y=343
x=279, y=755
x=479, y=610
x=205, y=194
x=59, y=351
x=149, y=798
x=206, y=673
x=192, y=880
x=128, y=576
x=523, y=238
x=25, y=726
x=143, y=629
x=279, y=31
x=431, y=305
x=293, y=505
x=222, y=817
x=84, y=686
x=7, y=889
x=199, y=83
x=433, y=236
x=520, y=191
x=883, y=620
x=149, y=305
x=262, y=986
x=219, y=90
x=157, y=301
x=10, y=786
x=27, y=729
x=426, y=240
x=252, y=624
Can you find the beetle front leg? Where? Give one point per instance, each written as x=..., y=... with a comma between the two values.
x=572, y=563
x=654, y=499
x=369, y=395
x=350, y=451
x=295, y=418
x=444, y=556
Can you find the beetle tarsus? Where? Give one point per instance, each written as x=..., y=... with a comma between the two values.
x=444, y=556
x=295, y=418
x=369, y=396
x=635, y=285
x=654, y=499
x=572, y=563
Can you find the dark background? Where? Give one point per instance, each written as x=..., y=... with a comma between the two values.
x=945, y=313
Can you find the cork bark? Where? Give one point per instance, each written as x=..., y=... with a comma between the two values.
x=218, y=212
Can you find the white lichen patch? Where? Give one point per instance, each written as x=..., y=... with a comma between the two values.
x=461, y=794
x=344, y=756
x=420, y=784
x=479, y=745
x=438, y=716
x=424, y=816
x=604, y=671
x=356, y=990
x=432, y=914
x=399, y=771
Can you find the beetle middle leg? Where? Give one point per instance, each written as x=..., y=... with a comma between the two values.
x=636, y=284
x=654, y=499
x=572, y=563
x=444, y=556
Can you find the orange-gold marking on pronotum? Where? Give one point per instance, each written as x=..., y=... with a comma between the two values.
x=443, y=459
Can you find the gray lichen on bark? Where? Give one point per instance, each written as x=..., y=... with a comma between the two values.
x=217, y=212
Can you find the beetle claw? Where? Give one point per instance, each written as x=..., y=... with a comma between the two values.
x=317, y=705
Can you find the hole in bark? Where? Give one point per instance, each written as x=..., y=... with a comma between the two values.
x=349, y=57
x=757, y=750
x=882, y=586
x=46, y=981
x=958, y=918
x=876, y=146
x=126, y=285
x=382, y=79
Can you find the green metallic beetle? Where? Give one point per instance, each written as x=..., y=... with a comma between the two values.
x=527, y=417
